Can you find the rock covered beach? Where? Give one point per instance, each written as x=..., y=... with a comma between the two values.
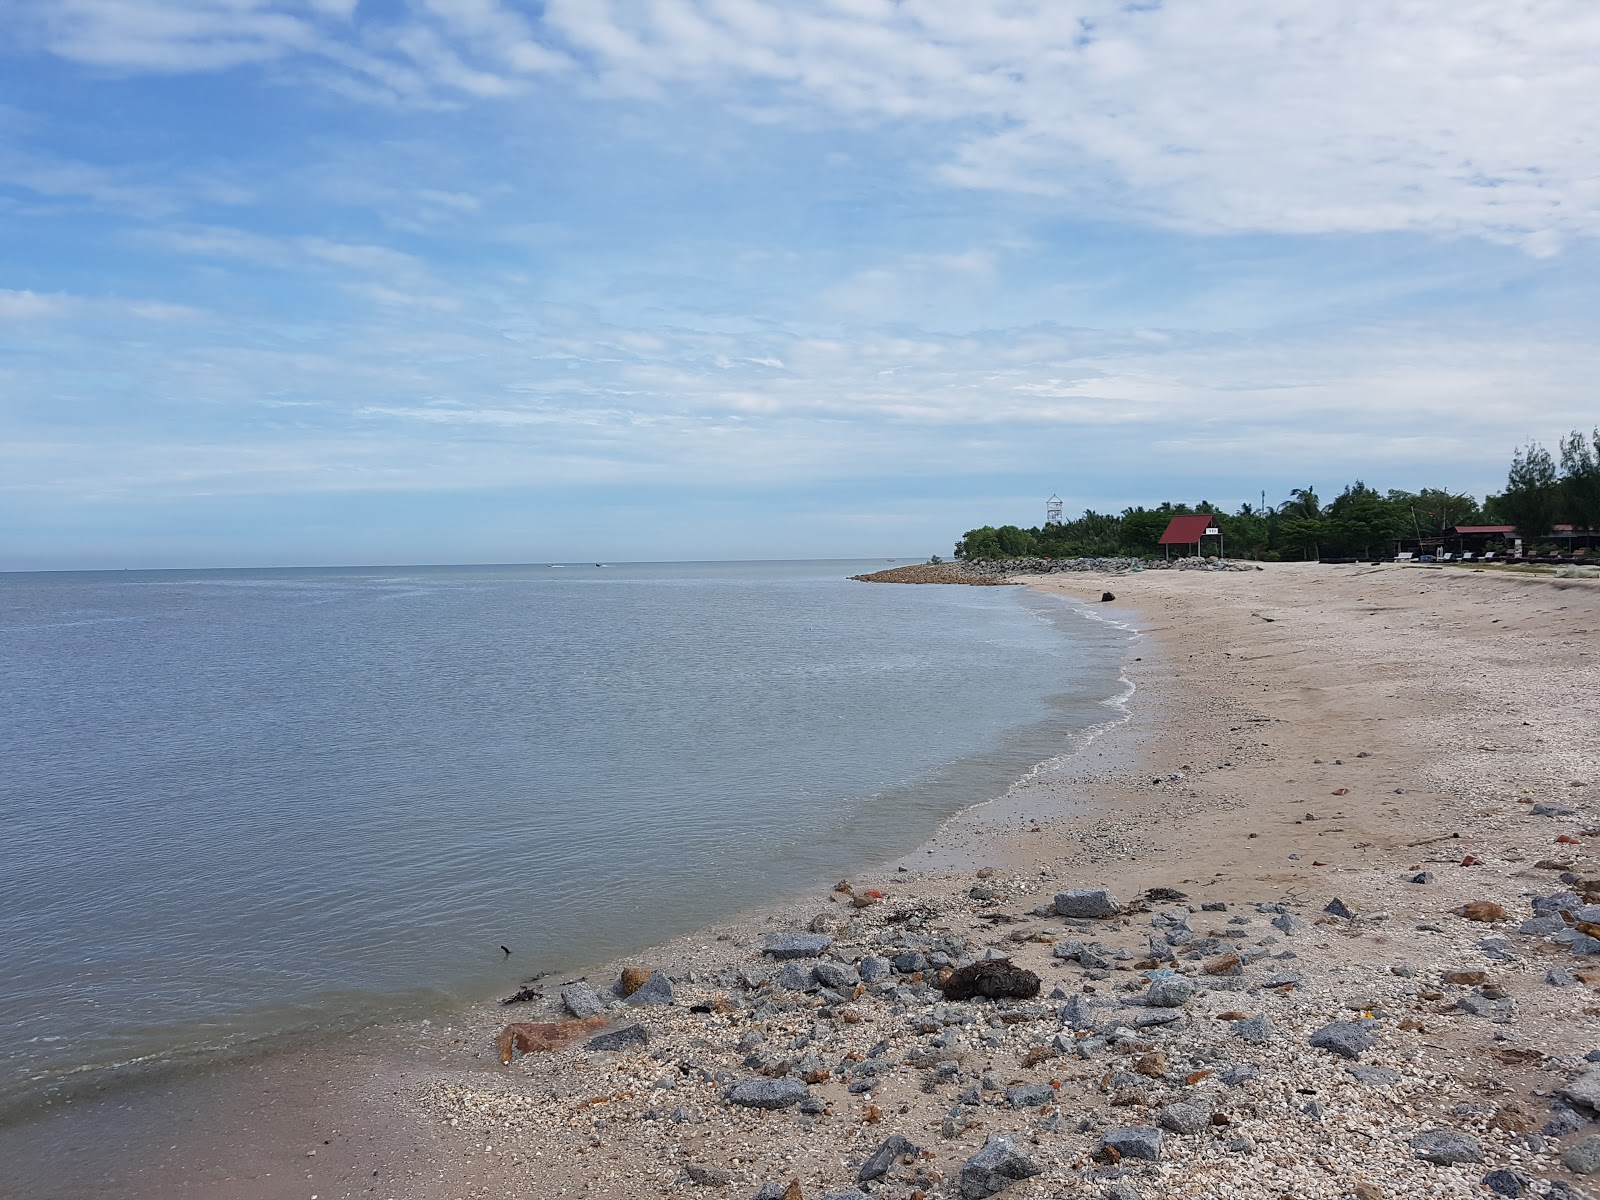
x=1324, y=929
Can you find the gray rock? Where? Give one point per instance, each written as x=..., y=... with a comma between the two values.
x=1583, y=1158
x=799, y=945
x=655, y=992
x=1338, y=908
x=1242, y=1145
x=1253, y=1031
x=1498, y=948
x=873, y=969
x=1087, y=902
x=1134, y=1141
x=1120, y=1191
x=582, y=1001
x=1031, y=1095
x=1542, y=926
x=1421, y=877
x=1505, y=1183
x=1373, y=1076
x=883, y=1158
x=1446, y=1147
x=1552, y=810
x=1238, y=1075
x=629, y=1037
x=1481, y=1006
x=1584, y=1091
x=770, y=1190
x=1344, y=1038
x=1564, y=1120
x=1156, y=1016
x=708, y=1176
x=1170, y=991
x=1288, y=923
x=1584, y=944
x=1184, y=1118
x=1560, y=977
x=1276, y=979
x=1078, y=1012
x=850, y=1194
x=994, y=1168
x=793, y=977
x=767, y=1093
x=835, y=975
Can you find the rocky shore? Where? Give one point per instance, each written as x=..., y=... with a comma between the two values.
x=992, y=572
x=1319, y=919
x=1304, y=954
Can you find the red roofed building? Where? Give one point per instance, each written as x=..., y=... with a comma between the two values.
x=1188, y=530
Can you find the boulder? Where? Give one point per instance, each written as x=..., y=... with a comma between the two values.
x=1134, y=1141
x=629, y=1037
x=1087, y=902
x=838, y=976
x=799, y=945
x=1584, y=1091
x=767, y=1093
x=994, y=1168
x=1031, y=1095
x=884, y=1157
x=1184, y=1118
x=995, y=978
x=1447, y=1147
x=1170, y=991
x=1344, y=1038
x=1582, y=1158
x=655, y=992
x=633, y=978
x=582, y=1001
x=1253, y=1031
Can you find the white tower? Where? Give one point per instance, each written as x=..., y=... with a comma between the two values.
x=1052, y=511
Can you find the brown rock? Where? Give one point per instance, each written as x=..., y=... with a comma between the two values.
x=873, y=1115
x=1466, y=978
x=1153, y=1064
x=1037, y=1055
x=1223, y=964
x=1365, y=1191
x=792, y=1192
x=995, y=978
x=633, y=978
x=1482, y=910
x=541, y=1037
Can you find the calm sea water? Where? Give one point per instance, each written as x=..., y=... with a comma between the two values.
x=240, y=806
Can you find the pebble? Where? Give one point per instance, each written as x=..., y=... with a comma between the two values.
x=1446, y=1147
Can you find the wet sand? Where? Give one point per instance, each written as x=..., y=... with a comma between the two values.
x=1296, y=733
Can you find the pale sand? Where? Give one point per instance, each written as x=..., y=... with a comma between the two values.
x=1470, y=696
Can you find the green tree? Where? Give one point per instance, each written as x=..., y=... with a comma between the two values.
x=1533, y=495
x=1142, y=527
x=1360, y=519
x=1008, y=541
x=1302, y=526
x=1246, y=533
x=1580, y=480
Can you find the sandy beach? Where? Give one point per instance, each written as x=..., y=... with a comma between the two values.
x=1294, y=736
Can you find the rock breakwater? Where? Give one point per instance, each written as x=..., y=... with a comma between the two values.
x=995, y=572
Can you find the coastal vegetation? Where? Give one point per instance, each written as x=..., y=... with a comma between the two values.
x=1542, y=491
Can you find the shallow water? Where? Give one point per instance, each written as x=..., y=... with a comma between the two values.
x=238, y=806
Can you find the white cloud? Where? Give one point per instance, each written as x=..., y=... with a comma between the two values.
x=1443, y=117
x=1210, y=115
x=28, y=306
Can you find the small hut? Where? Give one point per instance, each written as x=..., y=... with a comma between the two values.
x=1190, y=530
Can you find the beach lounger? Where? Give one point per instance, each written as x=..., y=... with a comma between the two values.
x=1404, y=556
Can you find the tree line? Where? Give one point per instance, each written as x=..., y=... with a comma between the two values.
x=1542, y=490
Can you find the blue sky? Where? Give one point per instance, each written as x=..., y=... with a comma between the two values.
x=333, y=281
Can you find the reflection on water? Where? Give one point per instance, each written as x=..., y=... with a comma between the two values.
x=238, y=805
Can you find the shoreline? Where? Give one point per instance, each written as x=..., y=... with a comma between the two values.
x=188, y=1093
x=1294, y=743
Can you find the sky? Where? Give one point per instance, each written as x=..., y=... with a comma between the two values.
x=407, y=281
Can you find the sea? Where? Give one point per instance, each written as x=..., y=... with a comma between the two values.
x=244, y=807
